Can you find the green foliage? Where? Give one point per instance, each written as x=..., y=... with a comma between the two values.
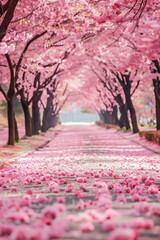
x=42, y=133
x=153, y=136
x=128, y=130
x=148, y=125
x=20, y=143
x=32, y=137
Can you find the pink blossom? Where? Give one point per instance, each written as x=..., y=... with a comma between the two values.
x=152, y=189
x=14, y=189
x=104, y=202
x=117, y=176
x=80, y=194
x=81, y=186
x=28, y=233
x=80, y=204
x=29, y=191
x=123, y=234
x=144, y=178
x=118, y=189
x=144, y=207
x=57, y=228
x=81, y=180
x=110, y=186
x=154, y=210
x=71, y=218
x=59, y=207
x=69, y=188
x=142, y=223
x=50, y=212
x=87, y=227
x=121, y=199
x=11, y=47
x=60, y=199
x=55, y=190
x=136, y=197
x=3, y=48
x=109, y=226
x=6, y=229
x=93, y=214
x=18, y=216
x=149, y=182
x=110, y=213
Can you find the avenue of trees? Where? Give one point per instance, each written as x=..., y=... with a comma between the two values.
x=97, y=53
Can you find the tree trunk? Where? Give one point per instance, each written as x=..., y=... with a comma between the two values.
x=54, y=120
x=107, y=117
x=50, y=116
x=36, y=114
x=132, y=114
x=27, y=117
x=114, y=118
x=156, y=84
x=11, y=121
x=127, y=124
x=16, y=131
x=45, y=121
x=121, y=121
x=124, y=116
x=100, y=113
x=124, y=121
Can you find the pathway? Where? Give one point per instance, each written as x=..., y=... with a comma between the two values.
x=88, y=184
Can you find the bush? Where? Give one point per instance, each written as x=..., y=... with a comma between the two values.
x=107, y=126
x=153, y=136
x=99, y=123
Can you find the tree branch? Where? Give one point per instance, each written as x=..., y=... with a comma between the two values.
x=24, y=51
x=135, y=88
x=3, y=8
x=12, y=82
x=10, y=8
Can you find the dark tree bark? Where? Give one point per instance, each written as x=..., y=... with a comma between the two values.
x=27, y=116
x=132, y=114
x=16, y=131
x=124, y=117
x=36, y=114
x=114, y=119
x=11, y=119
x=54, y=120
x=10, y=104
x=100, y=113
x=124, y=121
x=9, y=8
x=126, y=84
x=106, y=116
x=47, y=109
x=50, y=116
x=156, y=84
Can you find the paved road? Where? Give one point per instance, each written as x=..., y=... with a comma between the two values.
x=89, y=178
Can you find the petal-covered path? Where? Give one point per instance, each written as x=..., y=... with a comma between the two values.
x=89, y=183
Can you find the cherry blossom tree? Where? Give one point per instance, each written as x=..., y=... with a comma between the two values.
x=101, y=30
